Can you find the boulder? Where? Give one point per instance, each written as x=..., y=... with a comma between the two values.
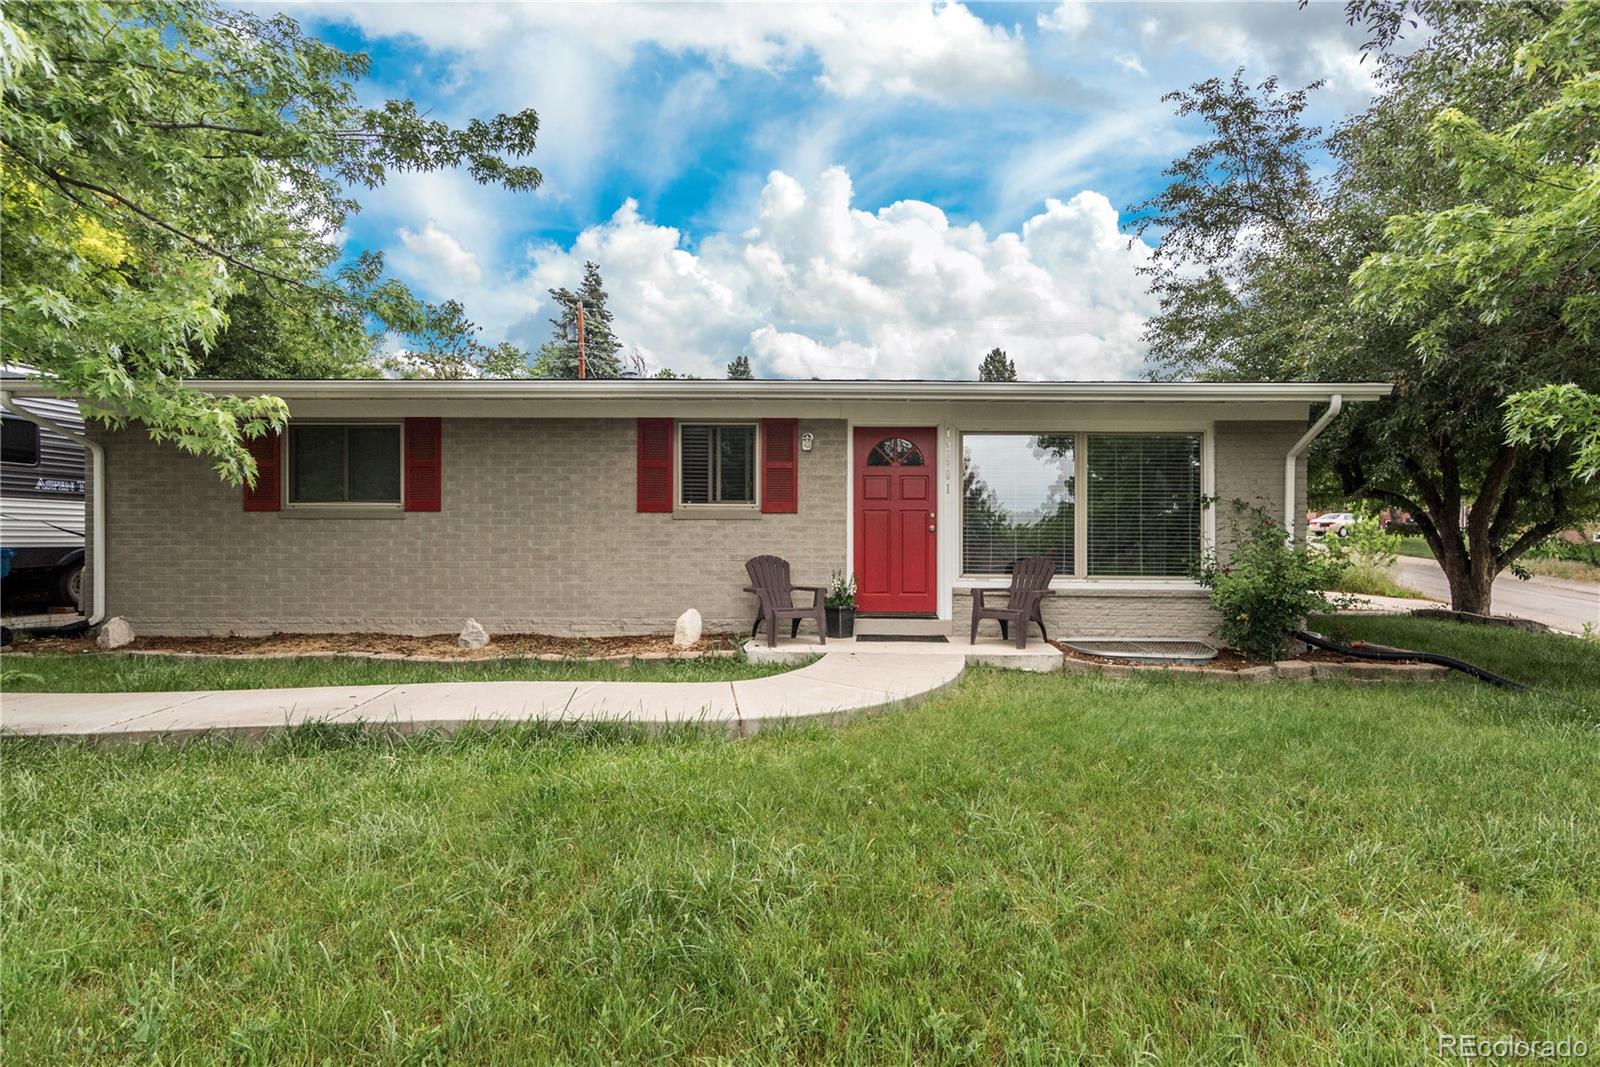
x=473, y=635
x=687, y=632
x=115, y=633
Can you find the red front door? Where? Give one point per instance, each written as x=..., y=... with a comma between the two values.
x=896, y=520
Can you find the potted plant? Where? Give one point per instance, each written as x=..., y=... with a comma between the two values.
x=840, y=606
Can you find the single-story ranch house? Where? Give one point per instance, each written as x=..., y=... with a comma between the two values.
x=610, y=507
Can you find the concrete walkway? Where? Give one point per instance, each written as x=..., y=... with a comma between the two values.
x=841, y=683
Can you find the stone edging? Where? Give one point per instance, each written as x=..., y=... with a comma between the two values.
x=1282, y=671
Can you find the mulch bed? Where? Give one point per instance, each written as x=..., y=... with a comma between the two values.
x=501, y=646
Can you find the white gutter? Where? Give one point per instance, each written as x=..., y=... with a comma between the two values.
x=1335, y=404
x=96, y=609
x=769, y=389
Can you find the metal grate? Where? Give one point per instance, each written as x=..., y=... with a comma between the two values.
x=1155, y=650
x=931, y=638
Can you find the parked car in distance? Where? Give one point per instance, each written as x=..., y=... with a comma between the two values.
x=1337, y=523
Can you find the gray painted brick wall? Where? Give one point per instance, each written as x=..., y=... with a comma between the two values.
x=1250, y=468
x=538, y=532
x=1184, y=613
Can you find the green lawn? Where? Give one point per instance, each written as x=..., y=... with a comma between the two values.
x=1026, y=868
x=120, y=673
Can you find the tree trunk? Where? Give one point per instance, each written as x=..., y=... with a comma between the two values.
x=1471, y=581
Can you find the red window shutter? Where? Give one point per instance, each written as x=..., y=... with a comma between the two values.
x=267, y=493
x=655, y=465
x=423, y=465
x=780, y=466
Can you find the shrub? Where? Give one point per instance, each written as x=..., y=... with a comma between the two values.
x=1370, y=543
x=1268, y=586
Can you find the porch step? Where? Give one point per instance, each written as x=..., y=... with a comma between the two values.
x=902, y=626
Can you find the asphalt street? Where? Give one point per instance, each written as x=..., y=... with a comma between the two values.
x=1562, y=604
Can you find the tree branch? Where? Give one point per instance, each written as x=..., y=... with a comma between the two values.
x=65, y=180
x=205, y=126
x=1489, y=494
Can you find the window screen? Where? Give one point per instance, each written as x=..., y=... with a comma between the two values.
x=1144, y=505
x=718, y=464
x=344, y=464
x=19, y=441
x=1018, y=496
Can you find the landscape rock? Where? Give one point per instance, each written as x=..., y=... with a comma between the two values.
x=116, y=633
x=473, y=635
x=687, y=632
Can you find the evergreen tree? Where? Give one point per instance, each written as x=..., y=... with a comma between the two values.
x=739, y=369
x=997, y=367
x=600, y=342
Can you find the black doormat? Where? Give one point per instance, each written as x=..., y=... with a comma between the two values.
x=935, y=638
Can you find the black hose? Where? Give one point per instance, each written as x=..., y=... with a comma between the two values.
x=1392, y=655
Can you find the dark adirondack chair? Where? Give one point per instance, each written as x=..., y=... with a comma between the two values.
x=769, y=581
x=1030, y=580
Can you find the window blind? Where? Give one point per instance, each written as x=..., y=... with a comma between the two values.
x=1143, y=504
x=719, y=464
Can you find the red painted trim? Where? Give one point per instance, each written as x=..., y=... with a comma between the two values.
x=424, y=462
x=780, y=466
x=655, y=465
x=267, y=493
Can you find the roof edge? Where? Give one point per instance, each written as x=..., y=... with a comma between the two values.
x=765, y=389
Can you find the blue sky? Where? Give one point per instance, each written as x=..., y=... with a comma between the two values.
x=873, y=191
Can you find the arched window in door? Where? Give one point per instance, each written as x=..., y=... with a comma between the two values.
x=895, y=452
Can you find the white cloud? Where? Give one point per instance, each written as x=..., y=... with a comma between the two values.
x=1070, y=17
x=816, y=287
x=941, y=51
x=438, y=251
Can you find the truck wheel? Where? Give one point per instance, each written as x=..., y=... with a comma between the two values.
x=69, y=586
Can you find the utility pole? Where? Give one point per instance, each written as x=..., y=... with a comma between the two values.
x=583, y=364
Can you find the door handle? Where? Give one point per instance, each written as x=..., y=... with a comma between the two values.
x=930, y=529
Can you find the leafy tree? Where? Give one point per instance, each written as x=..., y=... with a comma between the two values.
x=1519, y=250
x=443, y=343
x=165, y=167
x=997, y=367
x=1559, y=413
x=1254, y=281
x=600, y=342
x=739, y=369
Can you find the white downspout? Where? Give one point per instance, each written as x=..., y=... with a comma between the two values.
x=97, y=496
x=1335, y=403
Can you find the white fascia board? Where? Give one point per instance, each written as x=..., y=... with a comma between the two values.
x=675, y=391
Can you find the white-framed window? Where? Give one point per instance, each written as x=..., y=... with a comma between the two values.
x=345, y=463
x=717, y=464
x=1100, y=505
x=1018, y=499
x=1144, y=505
